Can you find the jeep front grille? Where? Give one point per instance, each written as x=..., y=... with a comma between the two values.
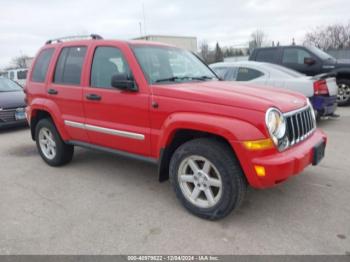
x=300, y=125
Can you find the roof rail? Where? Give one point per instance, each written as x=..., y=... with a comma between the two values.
x=76, y=37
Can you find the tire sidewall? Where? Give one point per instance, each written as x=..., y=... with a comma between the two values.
x=347, y=82
x=46, y=123
x=229, y=182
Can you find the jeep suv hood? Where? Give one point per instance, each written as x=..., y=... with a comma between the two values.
x=233, y=94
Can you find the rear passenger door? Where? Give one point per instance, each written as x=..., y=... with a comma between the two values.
x=65, y=90
x=115, y=118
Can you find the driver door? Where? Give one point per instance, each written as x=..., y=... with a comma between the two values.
x=115, y=119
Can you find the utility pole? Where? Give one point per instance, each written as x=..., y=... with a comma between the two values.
x=140, y=24
x=144, y=18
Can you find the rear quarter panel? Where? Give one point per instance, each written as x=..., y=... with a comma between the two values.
x=332, y=86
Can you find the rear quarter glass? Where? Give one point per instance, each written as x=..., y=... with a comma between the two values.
x=41, y=65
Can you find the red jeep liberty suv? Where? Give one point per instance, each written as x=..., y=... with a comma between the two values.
x=163, y=104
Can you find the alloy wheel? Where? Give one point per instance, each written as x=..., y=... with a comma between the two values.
x=200, y=181
x=343, y=92
x=47, y=143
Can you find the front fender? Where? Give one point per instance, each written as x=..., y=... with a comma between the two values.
x=229, y=128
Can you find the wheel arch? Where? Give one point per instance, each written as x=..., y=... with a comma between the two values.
x=41, y=111
x=194, y=126
x=342, y=73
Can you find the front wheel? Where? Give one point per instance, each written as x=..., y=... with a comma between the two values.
x=50, y=145
x=343, y=92
x=207, y=178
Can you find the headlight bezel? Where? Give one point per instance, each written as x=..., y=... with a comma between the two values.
x=277, y=133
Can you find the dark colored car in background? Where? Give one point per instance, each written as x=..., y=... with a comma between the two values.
x=310, y=61
x=12, y=104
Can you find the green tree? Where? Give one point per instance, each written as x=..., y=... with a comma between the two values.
x=219, y=56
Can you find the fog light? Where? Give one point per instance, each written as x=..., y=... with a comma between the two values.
x=260, y=171
x=259, y=144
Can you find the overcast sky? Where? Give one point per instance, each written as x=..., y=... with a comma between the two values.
x=26, y=25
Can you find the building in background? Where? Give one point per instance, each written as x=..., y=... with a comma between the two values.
x=185, y=42
x=340, y=53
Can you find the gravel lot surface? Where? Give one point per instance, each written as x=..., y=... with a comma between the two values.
x=103, y=204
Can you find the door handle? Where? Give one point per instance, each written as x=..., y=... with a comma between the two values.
x=52, y=91
x=93, y=97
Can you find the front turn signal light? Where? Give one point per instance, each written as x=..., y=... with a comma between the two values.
x=259, y=144
x=260, y=171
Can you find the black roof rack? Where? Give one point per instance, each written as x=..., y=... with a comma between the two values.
x=75, y=37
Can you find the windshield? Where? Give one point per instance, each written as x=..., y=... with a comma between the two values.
x=286, y=70
x=7, y=85
x=172, y=65
x=320, y=53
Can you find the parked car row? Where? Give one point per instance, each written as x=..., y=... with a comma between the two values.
x=12, y=104
x=162, y=104
x=310, y=61
x=18, y=75
x=321, y=89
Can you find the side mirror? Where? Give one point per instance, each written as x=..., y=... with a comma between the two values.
x=309, y=61
x=124, y=82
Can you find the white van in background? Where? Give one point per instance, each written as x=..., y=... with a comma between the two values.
x=18, y=75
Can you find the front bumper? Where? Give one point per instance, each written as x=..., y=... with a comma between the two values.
x=9, y=118
x=324, y=105
x=13, y=124
x=279, y=166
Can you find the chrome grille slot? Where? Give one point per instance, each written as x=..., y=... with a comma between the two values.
x=300, y=125
x=7, y=115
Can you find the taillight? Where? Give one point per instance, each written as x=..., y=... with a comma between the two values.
x=320, y=88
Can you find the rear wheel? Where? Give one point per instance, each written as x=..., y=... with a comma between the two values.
x=207, y=178
x=50, y=145
x=343, y=92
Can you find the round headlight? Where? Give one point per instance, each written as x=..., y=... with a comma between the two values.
x=276, y=124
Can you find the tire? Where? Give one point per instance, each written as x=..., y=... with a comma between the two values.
x=222, y=160
x=61, y=152
x=343, y=92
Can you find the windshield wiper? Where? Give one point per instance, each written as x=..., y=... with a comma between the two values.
x=203, y=78
x=177, y=78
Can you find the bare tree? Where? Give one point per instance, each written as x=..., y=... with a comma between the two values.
x=204, y=51
x=20, y=61
x=257, y=39
x=336, y=36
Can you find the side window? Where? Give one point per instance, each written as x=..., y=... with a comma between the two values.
x=267, y=55
x=22, y=74
x=295, y=56
x=42, y=65
x=107, y=62
x=12, y=75
x=225, y=73
x=69, y=66
x=247, y=74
